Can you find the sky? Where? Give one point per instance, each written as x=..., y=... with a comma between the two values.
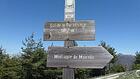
x=117, y=22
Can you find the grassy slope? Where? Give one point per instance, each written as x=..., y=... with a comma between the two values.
x=125, y=75
x=129, y=75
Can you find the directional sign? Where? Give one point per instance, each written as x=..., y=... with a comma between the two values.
x=78, y=57
x=80, y=30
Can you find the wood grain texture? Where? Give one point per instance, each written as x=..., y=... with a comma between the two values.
x=61, y=31
x=78, y=57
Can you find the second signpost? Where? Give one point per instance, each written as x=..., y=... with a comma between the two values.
x=69, y=56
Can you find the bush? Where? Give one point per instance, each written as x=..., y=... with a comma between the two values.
x=136, y=66
x=117, y=68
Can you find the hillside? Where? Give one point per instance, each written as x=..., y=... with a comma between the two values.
x=126, y=61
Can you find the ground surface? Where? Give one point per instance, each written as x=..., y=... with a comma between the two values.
x=125, y=75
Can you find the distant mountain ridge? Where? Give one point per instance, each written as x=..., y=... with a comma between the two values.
x=126, y=61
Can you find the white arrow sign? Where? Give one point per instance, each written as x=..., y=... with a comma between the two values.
x=78, y=57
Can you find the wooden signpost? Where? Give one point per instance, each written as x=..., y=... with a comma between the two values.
x=78, y=57
x=69, y=56
x=79, y=30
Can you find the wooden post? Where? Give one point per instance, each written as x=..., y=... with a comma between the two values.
x=68, y=73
